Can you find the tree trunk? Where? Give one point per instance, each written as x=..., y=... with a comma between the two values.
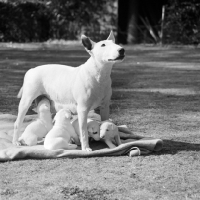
x=132, y=29
x=131, y=16
x=127, y=21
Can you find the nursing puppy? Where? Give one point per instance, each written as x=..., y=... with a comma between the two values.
x=92, y=128
x=38, y=129
x=62, y=134
x=109, y=134
x=79, y=89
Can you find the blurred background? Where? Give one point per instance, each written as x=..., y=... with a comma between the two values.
x=133, y=21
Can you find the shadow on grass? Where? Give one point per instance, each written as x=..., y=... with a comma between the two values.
x=176, y=55
x=174, y=102
x=174, y=147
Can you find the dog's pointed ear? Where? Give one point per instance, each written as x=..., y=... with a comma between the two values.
x=111, y=36
x=87, y=43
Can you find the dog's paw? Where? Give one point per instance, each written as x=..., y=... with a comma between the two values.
x=17, y=143
x=87, y=149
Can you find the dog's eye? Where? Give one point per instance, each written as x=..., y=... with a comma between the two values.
x=107, y=130
x=95, y=133
x=103, y=45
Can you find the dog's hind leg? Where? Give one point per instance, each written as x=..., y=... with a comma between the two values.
x=27, y=98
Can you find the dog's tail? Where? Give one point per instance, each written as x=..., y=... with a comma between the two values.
x=20, y=93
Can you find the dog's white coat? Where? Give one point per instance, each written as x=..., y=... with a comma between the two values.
x=110, y=134
x=39, y=128
x=79, y=89
x=62, y=134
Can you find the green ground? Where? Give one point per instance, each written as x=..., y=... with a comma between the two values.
x=156, y=92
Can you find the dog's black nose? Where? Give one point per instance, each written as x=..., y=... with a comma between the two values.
x=121, y=52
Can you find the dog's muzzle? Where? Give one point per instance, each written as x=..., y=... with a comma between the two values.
x=121, y=52
x=121, y=55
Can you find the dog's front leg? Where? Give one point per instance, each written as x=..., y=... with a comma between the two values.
x=82, y=119
x=105, y=111
x=105, y=106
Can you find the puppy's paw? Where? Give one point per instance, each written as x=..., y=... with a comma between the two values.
x=21, y=142
x=72, y=146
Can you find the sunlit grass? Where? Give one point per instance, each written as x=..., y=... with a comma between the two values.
x=156, y=92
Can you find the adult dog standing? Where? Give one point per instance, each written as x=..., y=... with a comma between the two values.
x=79, y=89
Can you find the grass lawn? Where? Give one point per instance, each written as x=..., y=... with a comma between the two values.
x=156, y=92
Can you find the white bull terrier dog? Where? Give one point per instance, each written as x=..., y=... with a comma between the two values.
x=80, y=89
x=39, y=128
x=110, y=134
x=62, y=134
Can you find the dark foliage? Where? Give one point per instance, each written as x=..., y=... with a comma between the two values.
x=182, y=23
x=24, y=22
x=34, y=21
x=41, y=20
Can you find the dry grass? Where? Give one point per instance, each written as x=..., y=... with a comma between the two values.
x=156, y=92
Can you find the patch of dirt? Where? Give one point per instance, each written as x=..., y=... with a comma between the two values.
x=85, y=194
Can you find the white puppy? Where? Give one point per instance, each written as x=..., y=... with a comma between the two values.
x=39, y=128
x=109, y=134
x=79, y=89
x=62, y=134
x=93, y=124
x=92, y=128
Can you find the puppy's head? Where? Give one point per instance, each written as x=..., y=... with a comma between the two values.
x=62, y=116
x=43, y=105
x=93, y=129
x=105, y=51
x=108, y=130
